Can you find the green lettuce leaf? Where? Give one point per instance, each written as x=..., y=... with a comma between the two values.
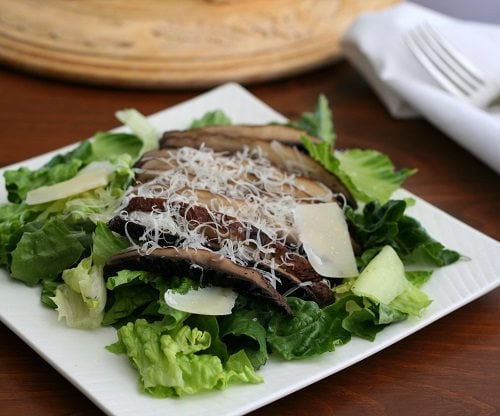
x=87, y=280
x=419, y=278
x=45, y=252
x=362, y=323
x=72, y=308
x=412, y=301
x=20, y=181
x=82, y=297
x=318, y=123
x=241, y=330
x=140, y=127
x=211, y=118
x=379, y=225
x=172, y=363
x=48, y=292
x=311, y=331
x=369, y=174
x=138, y=294
x=106, y=244
x=13, y=218
x=125, y=277
x=211, y=325
x=107, y=145
x=128, y=303
x=365, y=319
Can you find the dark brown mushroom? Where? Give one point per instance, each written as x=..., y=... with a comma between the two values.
x=288, y=158
x=156, y=162
x=295, y=270
x=292, y=268
x=284, y=134
x=198, y=264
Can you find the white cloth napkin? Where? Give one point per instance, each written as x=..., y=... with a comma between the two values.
x=374, y=45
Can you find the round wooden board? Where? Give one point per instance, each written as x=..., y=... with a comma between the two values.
x=174, y=43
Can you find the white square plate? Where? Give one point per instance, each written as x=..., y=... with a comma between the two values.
x=110, y=382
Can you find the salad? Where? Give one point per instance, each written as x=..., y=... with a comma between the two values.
x=69, y=228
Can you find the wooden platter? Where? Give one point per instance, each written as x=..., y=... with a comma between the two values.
x=174, y=43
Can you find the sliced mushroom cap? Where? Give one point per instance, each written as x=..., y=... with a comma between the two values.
x=288, y=158
x=156, y=162
x=292, y=268
x=284, y=134
x=296, y=270
x=201, y=265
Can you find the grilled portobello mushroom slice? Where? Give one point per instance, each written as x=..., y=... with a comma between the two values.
x=198, y=264
x=288, y=158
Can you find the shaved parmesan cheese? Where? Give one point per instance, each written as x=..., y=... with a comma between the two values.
x=89, y=178
x=324, y=235
x=209, y=300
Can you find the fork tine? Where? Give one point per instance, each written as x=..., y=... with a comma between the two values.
x=433, y=63
x=452, y=57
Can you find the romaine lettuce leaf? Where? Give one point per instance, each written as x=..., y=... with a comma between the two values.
x=138, y=294
x=380, y=225
x=45, y=252
x=318, y=123
x=20, y=181
x=13, y=217
x=108, y=145
x=87, y=281
x=172, y=363
x=210, y=324
x=105, y=244
x=72, y=308
x=125, y=277
x=311, y=331
x=84, y=282
x=140, y=127
x=368, y=174
x=241, y=330
x=127, y=303
x=412, y=301
x=211, y=118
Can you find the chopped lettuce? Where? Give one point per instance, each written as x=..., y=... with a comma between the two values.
x=173, y=362
x=412, y=301
x=379, y=225
x=82, y=298
x=106, y=243
x=20, y=181
x=44, y=252
x=318, y=123
x=108, y=145
x=368, y=174
x=211, y=118
x=13, y=218
x=241, y=330
x=311, y=331
x=141, y=128
x=87, y=281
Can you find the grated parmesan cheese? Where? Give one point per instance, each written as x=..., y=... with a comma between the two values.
x=252, y=195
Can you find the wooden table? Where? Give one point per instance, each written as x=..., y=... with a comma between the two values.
x=451, y=367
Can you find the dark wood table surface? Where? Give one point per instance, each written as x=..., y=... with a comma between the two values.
x=451, y=367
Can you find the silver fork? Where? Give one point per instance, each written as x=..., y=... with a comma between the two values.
x=450, y=68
